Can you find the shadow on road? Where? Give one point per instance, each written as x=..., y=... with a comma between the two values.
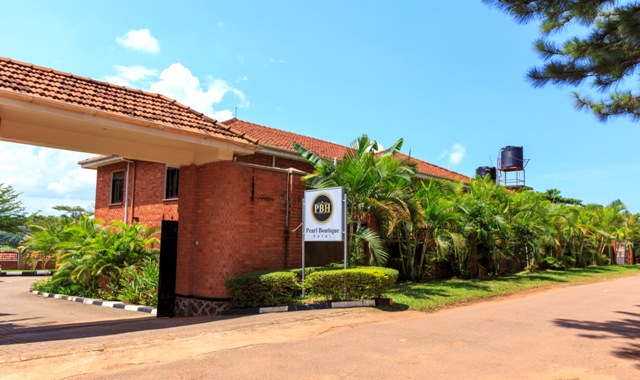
x=628, y=328
x=10, y=333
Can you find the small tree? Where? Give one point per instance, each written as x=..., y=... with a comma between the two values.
x=12, y=213
x=370, y=179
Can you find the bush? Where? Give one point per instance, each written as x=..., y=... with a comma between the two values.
x=259, y=289
x=309, y=270
x=139, y=285
x=353, y=283
x=562, y=263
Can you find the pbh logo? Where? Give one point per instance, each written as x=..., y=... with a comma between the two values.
x=322, y=208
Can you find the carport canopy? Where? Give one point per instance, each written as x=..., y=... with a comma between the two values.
x=48, y=108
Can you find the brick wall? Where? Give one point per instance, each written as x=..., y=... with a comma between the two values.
x=239, y=224
x=8, y=259
x=233, y=218
x=145, y=201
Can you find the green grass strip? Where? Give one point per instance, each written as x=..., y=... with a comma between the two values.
x=435, y=295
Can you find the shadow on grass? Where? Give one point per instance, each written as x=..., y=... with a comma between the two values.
x=439, y=288
x=526, y=279
x=436, y=294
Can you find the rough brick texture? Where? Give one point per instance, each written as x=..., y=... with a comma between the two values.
x=145, y=198
x=238, y=225
x=234, y=217
x=9, y=259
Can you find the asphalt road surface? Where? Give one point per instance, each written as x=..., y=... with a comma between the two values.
x=581, y=332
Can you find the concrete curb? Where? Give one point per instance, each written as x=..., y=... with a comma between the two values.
x=316, y=306
x=89, y=301
x=27, y=273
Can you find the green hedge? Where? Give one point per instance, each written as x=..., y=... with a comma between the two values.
x=263, y=289
x=309, y=270
x=279, y=288
x=353, y=283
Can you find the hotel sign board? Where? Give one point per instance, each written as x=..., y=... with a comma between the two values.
x=324, y=215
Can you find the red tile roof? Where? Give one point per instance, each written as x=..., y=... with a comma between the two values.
x=72, y=90
x=276, y=138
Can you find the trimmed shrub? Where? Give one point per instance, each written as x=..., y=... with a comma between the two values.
x=273, y=288
x=309, y=270
x=353, y=283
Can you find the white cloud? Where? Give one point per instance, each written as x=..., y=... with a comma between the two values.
x=456, y=154
x=241, y=59
x=179, y=83
x=46, y=177
x=139, y=40
x=127, y=75
x=223, y=115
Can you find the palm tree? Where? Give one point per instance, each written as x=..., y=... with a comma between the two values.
x=89, y=256
x=370, y=180
x=526, y=216
x=442, y=233
x=483, y=206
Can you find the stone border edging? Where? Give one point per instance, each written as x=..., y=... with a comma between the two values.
x=316, y=306
x=90, y=301
x=27, y=273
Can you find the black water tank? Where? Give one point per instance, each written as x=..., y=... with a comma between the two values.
x=511, y=157
x=483, y=171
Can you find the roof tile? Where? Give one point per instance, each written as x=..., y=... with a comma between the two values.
x=276, y=138
x=31, y=80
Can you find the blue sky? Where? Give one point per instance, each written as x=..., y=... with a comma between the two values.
x=448, y=77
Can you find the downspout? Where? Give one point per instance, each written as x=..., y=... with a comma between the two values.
x=126, y=193
x=133, y=189
x=287, y=231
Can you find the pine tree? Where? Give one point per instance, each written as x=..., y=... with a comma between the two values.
x=606, y=56
x=12, y=213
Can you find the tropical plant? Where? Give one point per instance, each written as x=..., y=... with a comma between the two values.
x=369, y=179
x=139, y=284
x=90, y=258
x=477, y=227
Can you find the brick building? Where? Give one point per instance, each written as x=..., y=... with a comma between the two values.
x=241, y=216
x=234, y=188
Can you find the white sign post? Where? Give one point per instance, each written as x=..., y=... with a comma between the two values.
x=324, y=218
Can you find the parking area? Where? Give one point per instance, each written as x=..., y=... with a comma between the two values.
x=21, y=309
x=26, y=317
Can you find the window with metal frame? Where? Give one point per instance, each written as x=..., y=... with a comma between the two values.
x=117, y=187
x=171, y=181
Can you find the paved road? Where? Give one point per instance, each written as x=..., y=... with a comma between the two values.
x=23, y=314
x=583, y=332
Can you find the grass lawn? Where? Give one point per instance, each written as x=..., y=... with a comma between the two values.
x=25, y=270
x=435, y=295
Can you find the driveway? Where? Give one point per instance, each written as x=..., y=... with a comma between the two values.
x=22, y=313
x=582, y=332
